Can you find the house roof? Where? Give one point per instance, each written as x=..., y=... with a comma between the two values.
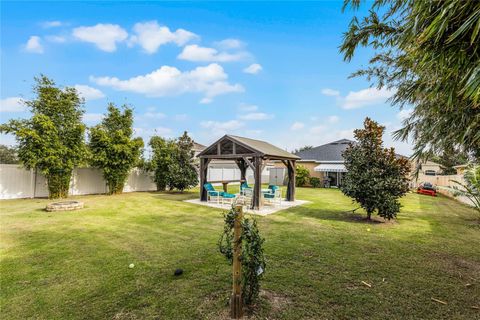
x=198, y=146
x=328, y=152
x=259, y=147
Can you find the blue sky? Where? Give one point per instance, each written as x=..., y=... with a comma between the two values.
x=263, y=70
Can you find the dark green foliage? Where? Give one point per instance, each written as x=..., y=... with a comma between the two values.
x=52, y=140
x=163, y=156
x=375, y=178
x=8, y=155
x=182, y=170
x=113, y=149
x=302, y=176
x=172, y=163
x=429, y=53
x=471, y=187
x=253, y=259
x=315, y=182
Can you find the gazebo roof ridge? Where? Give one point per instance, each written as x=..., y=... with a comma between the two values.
x=260, y=147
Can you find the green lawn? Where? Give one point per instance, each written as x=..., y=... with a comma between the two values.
x=74, y=265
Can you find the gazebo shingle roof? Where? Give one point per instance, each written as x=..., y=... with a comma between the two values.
x=258, y=146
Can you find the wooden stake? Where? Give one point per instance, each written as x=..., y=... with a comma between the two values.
x=439, y=301
x=236, y=303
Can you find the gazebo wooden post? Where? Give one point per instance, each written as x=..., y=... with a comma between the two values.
x=242, y=165
x=291, y=167
x=203, y=178
x=257, y=188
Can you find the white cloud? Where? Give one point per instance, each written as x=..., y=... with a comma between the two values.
x=209, y=80
x=89, y=93
x=247, y=107
x=255, y=116
x=330, y=92
x=51, y=24
x=253, y=69
x=254, y=132
x=297, y=126
x=8, y=139
x=152, y=115
x=56, y=39
x=92, y=118
x=404, y=114
x=104, y=36
x=12, y=104
x=317, y=129
x=150, y=36
x=34, y=45
x=333, y=119
x=194, y=52
x=229, y=44
x=365, y=97
x=222, y=127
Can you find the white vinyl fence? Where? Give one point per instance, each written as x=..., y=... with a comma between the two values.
x=17, y=182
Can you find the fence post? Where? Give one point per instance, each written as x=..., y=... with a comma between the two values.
x=236, y=303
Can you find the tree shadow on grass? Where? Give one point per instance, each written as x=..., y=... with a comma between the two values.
x=344, y=215
x=174, y=195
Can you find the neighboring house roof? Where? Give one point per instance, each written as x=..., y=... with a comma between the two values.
x=258, y=147
x=328, y=152
x=198, y=147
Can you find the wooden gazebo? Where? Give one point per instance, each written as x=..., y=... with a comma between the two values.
x=247, y=153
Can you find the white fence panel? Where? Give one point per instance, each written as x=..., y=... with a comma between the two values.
x=87, y=181
x=139, y=180
x=16, y=182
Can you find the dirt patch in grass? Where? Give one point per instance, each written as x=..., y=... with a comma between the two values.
x=465, y=269
x=270, y=303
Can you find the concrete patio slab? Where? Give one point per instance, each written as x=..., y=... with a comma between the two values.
x=266, y=210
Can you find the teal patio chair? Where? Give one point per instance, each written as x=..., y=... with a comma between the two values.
x=274, y=196
x=212, y=193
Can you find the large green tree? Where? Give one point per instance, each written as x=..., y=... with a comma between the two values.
x=183, y=173
x=375, y=177
x=52, y=140
x=163, y=156
x=8, y=155
x=428, y=52
x=113, y=148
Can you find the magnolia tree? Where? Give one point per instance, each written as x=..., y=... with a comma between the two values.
x=376, y=178
x=173, y=163
x=163, y=156
x=113, y=149
x=52, y=140
x=183, y=172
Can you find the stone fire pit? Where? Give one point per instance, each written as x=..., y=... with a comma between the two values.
x=64, y=206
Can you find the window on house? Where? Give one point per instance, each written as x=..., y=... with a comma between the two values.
x=430, y=172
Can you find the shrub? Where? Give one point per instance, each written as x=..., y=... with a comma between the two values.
x=302, y=176
x=315, y=182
